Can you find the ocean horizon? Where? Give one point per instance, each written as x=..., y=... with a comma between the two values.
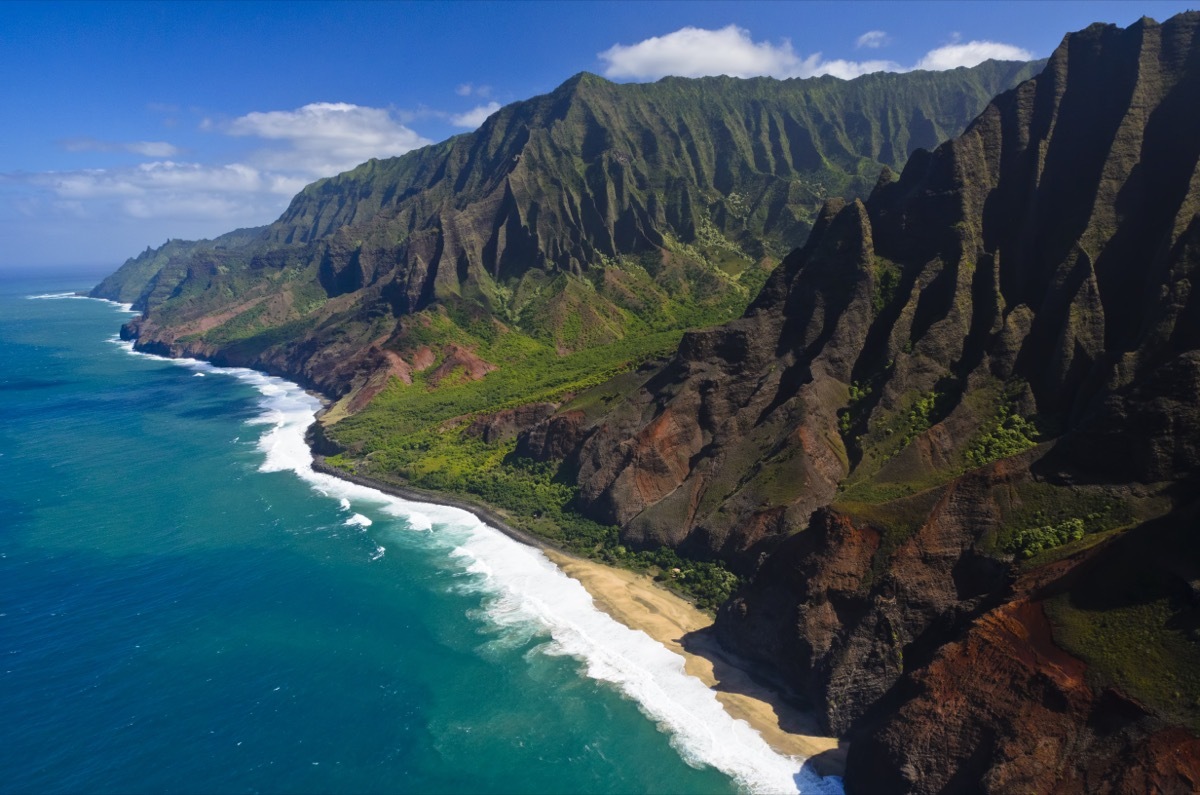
x=188, y=607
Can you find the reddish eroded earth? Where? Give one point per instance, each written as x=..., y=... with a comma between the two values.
x=460, y=362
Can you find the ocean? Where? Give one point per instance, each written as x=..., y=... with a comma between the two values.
x=185, y=606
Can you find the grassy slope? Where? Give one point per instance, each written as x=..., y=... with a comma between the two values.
x=1134, y=622
x=417, y=434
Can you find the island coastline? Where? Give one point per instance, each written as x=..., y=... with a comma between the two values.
x=639, y=603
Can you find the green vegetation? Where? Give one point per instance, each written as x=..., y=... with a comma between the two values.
x=568, y=240
x=890, y=434
x=1027, y=543
x=733, y=171
x=1049, y=530
x=707, y=584
x=1009, y=435
x=528, y=372
x=133, y=281
x=240, y=327
x=887, y=280
x=418, y=434
x=850, y=416
x=1046, y=517
x=533, y=499
x=920, y=417
x=1134, y=635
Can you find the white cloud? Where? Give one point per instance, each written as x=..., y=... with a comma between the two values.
x=152, y=148
x=290, y=149
x=236, y=192
x=124, y=208
x=475, y=116
x=143, y=148
x=696, y=52
x=872, y=39
x=473, y=89
x=847, y=70
x=952, y=56
x=162, y=175
x=326, y=137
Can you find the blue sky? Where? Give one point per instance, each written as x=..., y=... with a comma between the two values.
x=130, y=123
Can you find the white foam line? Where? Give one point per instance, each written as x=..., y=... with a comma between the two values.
x=54, y=296
x=522, y=588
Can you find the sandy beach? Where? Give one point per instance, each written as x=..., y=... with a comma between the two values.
x=639, y=603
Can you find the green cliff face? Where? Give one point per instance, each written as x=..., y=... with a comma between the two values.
x=949, y=446
x=594, y=215
x=570, y=239
x=954, y=443
x=150, y=277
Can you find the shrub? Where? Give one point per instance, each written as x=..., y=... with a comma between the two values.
x=1011, y=434
x=1029, y=542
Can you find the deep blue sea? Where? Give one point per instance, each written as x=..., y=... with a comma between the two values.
x=186, y=607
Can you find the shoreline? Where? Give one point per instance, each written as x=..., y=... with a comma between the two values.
x=639, y=603
x=636, y=601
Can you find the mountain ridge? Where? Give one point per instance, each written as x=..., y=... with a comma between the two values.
x=571, y=183
x=940, y=429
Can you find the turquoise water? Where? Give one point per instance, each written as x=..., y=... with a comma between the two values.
x=186, y=607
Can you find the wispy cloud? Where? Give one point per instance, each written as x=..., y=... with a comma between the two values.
x=697, y=52
x=264, y=159
x=872, y=39
x=473, y=90
x=325, y=138
x=475, y=116
x=288, y=149
x=165, y=189
x=143, y=148
x=951, y=56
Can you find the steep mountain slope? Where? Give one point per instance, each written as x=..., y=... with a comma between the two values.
x=955, y=443
x=148, y=278
x=588, y=216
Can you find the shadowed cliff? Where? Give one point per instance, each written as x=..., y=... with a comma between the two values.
x=941, y=426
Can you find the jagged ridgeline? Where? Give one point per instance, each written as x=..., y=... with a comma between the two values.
x=594, y=215
x=954, y=444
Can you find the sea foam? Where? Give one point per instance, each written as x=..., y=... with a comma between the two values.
x=522, y=590
x=123, y=307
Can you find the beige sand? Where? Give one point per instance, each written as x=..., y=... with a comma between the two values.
x=638, y=602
